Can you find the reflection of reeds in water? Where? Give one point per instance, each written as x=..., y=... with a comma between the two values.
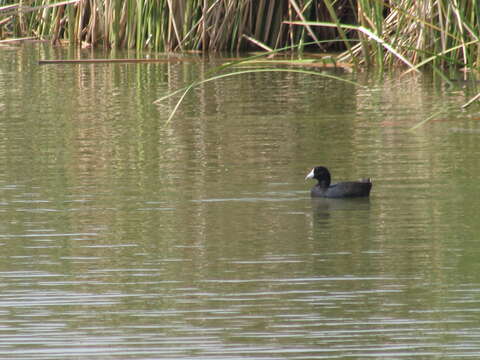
x=436, y=32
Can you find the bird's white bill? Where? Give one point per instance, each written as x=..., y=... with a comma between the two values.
x=310, y=174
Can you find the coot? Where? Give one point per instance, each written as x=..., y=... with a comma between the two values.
x=347, y=189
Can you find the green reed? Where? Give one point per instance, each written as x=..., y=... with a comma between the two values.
x=435, y=33
x=164, y=25
x=438, y=33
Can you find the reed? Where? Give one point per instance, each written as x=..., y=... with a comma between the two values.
x=438, y=33
x=165, y=25
x=432, y=33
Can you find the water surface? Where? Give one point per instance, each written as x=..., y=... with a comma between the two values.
x=124, y=238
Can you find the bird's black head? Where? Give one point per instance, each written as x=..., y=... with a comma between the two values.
x=322, y=174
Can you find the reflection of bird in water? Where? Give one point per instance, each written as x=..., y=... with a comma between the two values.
x=327, y=205
x=336, y=214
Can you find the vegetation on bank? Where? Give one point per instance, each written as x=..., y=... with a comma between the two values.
x=436, y=33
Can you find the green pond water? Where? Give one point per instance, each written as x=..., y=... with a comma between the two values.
x=123, y=238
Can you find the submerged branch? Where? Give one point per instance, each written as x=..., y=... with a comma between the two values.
x=471, y=101
x=113, y=61
x=424, y=121
x=6, y=41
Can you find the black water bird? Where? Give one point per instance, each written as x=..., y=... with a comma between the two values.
x=347, y=189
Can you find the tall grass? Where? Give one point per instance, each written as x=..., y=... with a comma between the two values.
x=438, y=33
x=167, y=25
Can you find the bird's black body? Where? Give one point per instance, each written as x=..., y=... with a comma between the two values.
x=347, y=189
